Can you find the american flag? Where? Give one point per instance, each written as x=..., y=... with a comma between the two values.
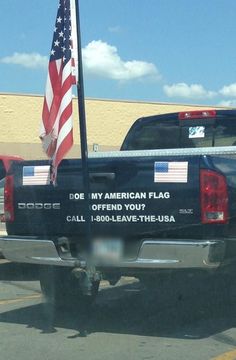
x=56, y=127
x=36, y=175
x=171, y=172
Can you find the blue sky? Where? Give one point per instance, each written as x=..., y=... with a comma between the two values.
x=151, y=50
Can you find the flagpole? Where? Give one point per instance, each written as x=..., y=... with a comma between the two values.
x=83, y=131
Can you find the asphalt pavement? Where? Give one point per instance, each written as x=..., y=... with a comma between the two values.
x=194, y=319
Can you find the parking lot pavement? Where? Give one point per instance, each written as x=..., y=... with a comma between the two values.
x=2, y=227
x=187, y=321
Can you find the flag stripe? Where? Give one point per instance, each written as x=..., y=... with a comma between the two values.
x=66, y=72
x=64, y=148
x=64, y=113
x=74, y=42
x=64, y=131
x=49, y=92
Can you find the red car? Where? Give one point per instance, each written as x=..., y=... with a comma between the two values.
x=5, y=163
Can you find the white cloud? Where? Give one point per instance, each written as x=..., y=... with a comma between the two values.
x=30, y=60
x=183, y=90
x=102, y=59
x=99, y=59
x=229, y=90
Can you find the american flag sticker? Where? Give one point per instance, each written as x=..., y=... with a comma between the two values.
x=171, y=172
x=36, y=175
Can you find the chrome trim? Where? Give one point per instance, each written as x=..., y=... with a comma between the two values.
x=182, y=254
x=153, y=254
x=32, y=251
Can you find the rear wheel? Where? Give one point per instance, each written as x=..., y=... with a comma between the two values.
x=61, y=289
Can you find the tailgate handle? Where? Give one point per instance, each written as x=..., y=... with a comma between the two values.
x=102, y=176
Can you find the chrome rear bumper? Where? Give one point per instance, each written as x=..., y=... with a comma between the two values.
x=153, y=254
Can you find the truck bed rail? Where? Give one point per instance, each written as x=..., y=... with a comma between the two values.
x=220, y=150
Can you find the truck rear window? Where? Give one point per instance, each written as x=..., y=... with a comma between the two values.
x=225, y=134
x=170, y=135
x=154, y=137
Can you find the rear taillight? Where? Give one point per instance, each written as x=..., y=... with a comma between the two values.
x=197, y=114
x=8, y=199
x=214, y=197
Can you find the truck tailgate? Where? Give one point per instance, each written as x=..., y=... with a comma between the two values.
x=130, y=196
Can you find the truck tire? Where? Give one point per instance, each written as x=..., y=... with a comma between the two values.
x=61, y=289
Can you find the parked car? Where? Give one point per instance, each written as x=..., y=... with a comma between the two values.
x=5, y=163
x=2, y=184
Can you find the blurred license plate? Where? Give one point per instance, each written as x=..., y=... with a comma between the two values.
x=108, y=249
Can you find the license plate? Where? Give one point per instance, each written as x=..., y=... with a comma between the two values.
x=107, y=250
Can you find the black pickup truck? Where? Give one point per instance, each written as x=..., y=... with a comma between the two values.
x=165, y=203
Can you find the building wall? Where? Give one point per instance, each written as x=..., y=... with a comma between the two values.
x=107, y=122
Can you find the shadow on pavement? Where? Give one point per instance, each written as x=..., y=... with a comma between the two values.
x=18, y=272
x=190, y=310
